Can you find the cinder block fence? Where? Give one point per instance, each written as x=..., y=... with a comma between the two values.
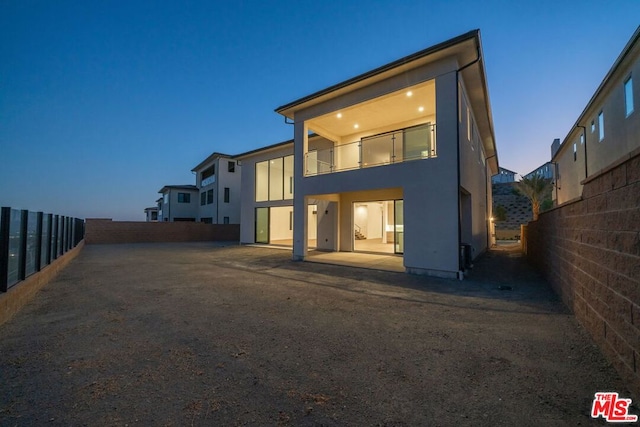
x=104, y=231
x=589, y=250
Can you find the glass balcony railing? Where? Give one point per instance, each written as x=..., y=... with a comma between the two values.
x=418, y=142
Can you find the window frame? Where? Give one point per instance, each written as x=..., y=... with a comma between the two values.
x=184, y=197
x=601, y=126
x=203, y=198
x=231, y=166
x=210, y=197
x=227, y=194
x=628, y=100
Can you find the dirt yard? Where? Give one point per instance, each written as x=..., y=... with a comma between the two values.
x=196, y=334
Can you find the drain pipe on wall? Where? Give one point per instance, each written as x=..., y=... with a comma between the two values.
x=460, y=264
x=584, y=134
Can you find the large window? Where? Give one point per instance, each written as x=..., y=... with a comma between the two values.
x=208, y=176
x=184, y=198
x=601, y=125
x=274, y=179
x=628, y=96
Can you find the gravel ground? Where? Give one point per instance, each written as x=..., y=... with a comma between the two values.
x=199, y=334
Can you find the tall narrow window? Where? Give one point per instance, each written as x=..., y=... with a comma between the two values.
x=231, y=166
x=209, y=197
x=581, y=138
x=575, y=151
x=628, y=96
x=262, y=181
x=226, y=194
x=601, y=125
x=203, y=198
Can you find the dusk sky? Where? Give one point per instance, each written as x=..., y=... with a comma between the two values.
x=104, y=102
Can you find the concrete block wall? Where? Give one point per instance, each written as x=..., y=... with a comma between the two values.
x=104, y=231
x=589, y=250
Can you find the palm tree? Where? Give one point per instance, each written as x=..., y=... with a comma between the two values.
x=536, y=189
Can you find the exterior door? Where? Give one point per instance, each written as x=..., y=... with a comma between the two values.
x=262, y=225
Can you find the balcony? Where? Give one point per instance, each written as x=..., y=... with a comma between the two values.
x=418, y=142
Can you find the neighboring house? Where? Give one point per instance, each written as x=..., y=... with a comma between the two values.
x=607, y=130
x=179, y=203
x=159, y=205
x=218, y=180
x=151, y=214
x=544, y=171
x=503, y=176
x=400, y=164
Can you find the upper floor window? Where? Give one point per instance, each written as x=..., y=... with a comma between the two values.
x=593, y=126
x=231, y=166
x=628, y=96
x=601, y=125
x=208, y=176
x=209, y=197
x=575, y=151
x=184, y=198
x=582, y=138
x=226, y=194
x=203, y=198
x=274, y=179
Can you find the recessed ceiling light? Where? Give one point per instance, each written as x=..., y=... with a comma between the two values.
x=409, y=93
x=421, y=109
x=339, y=115
x=356, y=126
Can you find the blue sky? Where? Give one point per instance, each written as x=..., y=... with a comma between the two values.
x=103, y=103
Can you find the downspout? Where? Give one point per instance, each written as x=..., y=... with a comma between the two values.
x=486, y=196
x=460, y=266
x=584, y=133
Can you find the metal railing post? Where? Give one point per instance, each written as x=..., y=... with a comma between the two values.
x=22, y=266
x=5, y=223
x=49, y=237
x=38, y=261
x=54, y=237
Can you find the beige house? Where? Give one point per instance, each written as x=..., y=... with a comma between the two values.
x=607, y=130
x=218, y=181
x=397, y=160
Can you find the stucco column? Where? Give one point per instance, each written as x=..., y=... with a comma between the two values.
x=300, y=245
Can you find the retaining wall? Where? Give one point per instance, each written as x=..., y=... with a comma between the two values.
x=19, y=295
x=105, y=231
x=589, y=250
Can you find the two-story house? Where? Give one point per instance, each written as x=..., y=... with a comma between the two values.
x=218, y=180
x=179, y=203
x=397, y=160
x=607, y=130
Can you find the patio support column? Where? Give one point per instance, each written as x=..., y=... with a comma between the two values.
x=300, y=241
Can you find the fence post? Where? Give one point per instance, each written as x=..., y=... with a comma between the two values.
x=24, y=222
x=5, y=223
x=48, y=248
x=38, y=241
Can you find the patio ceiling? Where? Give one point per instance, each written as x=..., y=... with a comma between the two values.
x=412, y=105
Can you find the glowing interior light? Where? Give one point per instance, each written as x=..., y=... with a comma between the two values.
x=409, y=93
x=356, y=126
x=421, y=109
x=339, y=115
